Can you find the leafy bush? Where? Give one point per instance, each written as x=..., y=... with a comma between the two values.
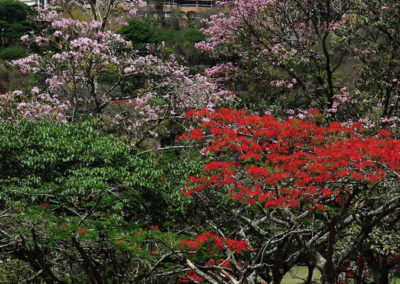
x=139, y=33
x=75, y=162
x=12, y=52
x=69, y=186
x=13, y=21
x=182, y=43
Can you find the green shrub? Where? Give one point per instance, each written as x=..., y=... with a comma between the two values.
x=139, y=33
x=68, y=181
x=11, y=53
x=14, y=21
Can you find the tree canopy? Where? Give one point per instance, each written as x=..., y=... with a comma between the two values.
x=14, y=21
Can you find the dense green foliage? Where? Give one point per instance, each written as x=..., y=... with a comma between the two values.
x=12, y=52
x=14, y=21
x=182, y=43
x=69, y=181
x=139, y=33
x=179, y=41
x=46, y=162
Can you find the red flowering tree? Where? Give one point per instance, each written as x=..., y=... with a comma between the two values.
x=294, y=190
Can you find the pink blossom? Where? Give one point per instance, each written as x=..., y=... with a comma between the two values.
x=41, y=41
x=17, y=93
x=24, y=38
x=154, y=134
x=129, y=69
x=35, y=91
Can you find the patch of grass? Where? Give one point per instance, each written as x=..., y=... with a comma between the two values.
x=298, y=274
x=395, y=280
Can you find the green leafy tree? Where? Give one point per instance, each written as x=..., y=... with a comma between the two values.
x=139, y=33
x=12, y=52
x=78, y=206
x=14, y=21
x=182, y=42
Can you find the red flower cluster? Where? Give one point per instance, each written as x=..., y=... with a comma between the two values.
x=207, y=239
x=154, y=227
x=191, y=276
x=214, y=243
x=81, y=231
x=289, y=163
x=196, y=134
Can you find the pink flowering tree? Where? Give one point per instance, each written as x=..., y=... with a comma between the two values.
x=289, y=49
x=84, y=62
x=77, y=51
x=337, y=56
x=169, y=90
x=375, y=46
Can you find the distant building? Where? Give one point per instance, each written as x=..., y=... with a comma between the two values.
x=165, y=9
x=184, y=5
x=42, y=3
x=189, y=5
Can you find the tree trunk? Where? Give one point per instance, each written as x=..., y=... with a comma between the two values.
x=277, y=275
x=378, y=267
x=310, y=274
x=328, y=275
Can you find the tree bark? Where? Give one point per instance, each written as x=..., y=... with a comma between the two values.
x=310, y=274
x=378, y=268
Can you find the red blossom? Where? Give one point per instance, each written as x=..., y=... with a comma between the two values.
x=196, y=134
x=213, y=243
x=182, y=137
x=190, y=113
x=237, y=246
x=311, y=161
x=81, y=231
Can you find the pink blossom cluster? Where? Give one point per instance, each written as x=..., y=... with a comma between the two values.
x=168, y=98
x=393, y=121
x=367, y=123
x=15, y=106
x=341, y=98
x=222, y=72
x=223, y=29
x=82, y=51
x=299, y=113
x=283, y=83
x=28, y=64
